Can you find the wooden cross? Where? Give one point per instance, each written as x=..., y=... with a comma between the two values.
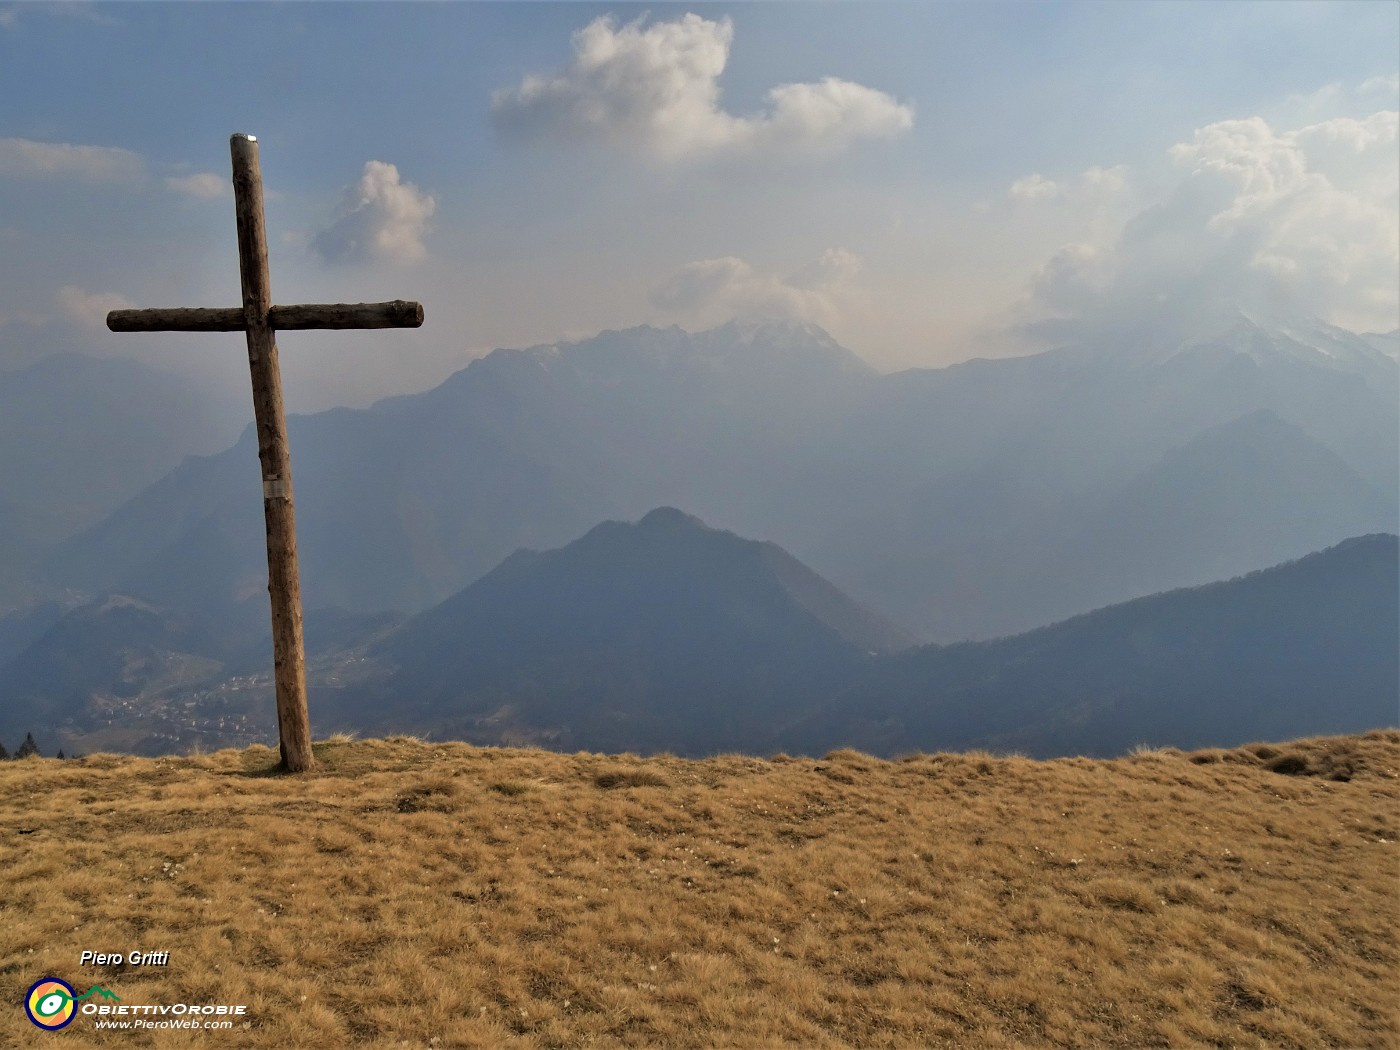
x=259, y=319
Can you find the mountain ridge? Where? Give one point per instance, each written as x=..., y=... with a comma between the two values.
x=1246, y=658
x=886, y=485
x=1310, y=641
x=629, y=632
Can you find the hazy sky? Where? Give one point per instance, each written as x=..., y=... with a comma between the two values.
x=929, y=181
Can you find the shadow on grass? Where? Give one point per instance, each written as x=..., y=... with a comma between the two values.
x=341, y=758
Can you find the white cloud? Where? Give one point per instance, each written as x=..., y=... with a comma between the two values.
x=1379, y=129
x=833, y=268
x=1094, y=184
x=1105, y=181
x=1334, y=245
x=731, y=287
x=698, y=284
x=379, y=219
x=656, y=88
x=90, y=163
x=827, y=116
x=202, y=186
x=1074, y=278
x=1337, y=99
x=89, y=309
x=1386, y=85
x=1306, y=217
x=1314, y=104
x=1034, y=187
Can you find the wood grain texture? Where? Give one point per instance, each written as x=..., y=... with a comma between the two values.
x=397, y=313
x=283, y=579
x=177, y=319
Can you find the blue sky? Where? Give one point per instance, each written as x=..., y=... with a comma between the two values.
x=929, y=181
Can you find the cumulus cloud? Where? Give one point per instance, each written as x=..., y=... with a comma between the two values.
x=1075, y=277
x=699, y=283
x=202, y=186
x=1304, y=217
x=1385, y=85
x=732, y=287
x=1105, y=180
x=89, y=309
x=1379, y=129
x=1033, y=187
x=1326, y=241
x=1094, y=184
x=656, y=88
x=379, y=219
x=834, y=268
x=60, y=159
x=826, y=116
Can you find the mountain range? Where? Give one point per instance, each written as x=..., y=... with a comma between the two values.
x=669, y=635
x=1308, y=644
x=78, y=437
x=965, y=502
x=978, y=501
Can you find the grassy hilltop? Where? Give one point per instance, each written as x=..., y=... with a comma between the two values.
x=441, y=895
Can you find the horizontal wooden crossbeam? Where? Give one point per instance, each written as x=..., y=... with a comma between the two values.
x=395, y=314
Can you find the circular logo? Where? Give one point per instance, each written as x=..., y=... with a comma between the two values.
x=49, y=1003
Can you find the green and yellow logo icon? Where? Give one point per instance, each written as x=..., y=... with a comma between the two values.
x=50, y=1002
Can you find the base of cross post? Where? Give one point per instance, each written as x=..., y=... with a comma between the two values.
x=285, y=766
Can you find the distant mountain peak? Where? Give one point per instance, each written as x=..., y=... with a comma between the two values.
x=1387, y=343
x=1267, y=336
x=670, y=518
x=799, y=347
x=775, y=332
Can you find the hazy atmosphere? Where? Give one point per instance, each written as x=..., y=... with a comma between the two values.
x=887, y=534
x=928, y=182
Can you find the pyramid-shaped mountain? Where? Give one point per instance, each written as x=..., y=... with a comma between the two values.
x=663, y=634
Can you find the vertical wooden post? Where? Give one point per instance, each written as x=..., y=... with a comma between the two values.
x=283, y=581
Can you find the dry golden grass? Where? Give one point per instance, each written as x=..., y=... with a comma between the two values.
x=441, y=895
